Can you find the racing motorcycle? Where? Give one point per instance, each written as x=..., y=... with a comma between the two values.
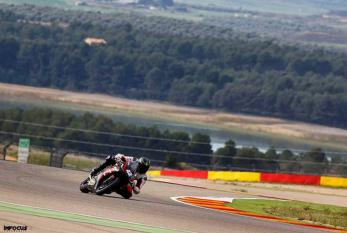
x=111, y=179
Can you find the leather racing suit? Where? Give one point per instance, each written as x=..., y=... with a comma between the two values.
x=130, y=164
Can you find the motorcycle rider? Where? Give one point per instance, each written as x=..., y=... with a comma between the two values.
x=135, y=168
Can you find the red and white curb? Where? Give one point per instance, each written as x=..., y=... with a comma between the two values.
x=220, y=204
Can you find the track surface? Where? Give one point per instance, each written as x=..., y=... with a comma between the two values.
x=58, y=189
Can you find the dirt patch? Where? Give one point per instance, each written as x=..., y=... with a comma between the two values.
x=11, y=158
x=264, y=125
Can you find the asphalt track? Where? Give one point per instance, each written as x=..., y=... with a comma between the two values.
x=48, y=200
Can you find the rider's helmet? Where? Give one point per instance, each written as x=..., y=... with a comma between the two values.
x=143, y=165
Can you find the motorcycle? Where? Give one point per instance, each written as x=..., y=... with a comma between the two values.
x=111, y=179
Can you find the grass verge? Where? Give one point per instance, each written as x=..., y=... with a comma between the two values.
x=41, y=157
x=315, y=213
x=80, y=162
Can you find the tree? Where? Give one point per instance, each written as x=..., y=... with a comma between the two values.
x=171, y=161
x=289, y=162
x=228, y=152
x=271, y=154
x=246, y=158
x=201, y=146
x=154, y=81
x=314, y=161
x=8, y=53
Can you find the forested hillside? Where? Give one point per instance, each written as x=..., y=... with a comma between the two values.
x=233, y=74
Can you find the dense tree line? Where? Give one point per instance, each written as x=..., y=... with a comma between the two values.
x=152, y=24
x=239, y=75
x=98, y=135
x=315, y=161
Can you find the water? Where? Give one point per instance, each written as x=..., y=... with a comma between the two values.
x=218, y=136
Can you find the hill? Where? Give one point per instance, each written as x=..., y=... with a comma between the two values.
x=235, y=74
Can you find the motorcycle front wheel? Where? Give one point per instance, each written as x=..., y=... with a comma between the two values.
x=84, y=186
x=108, y=185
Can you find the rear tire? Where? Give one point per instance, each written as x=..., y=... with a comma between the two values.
x=107, y=186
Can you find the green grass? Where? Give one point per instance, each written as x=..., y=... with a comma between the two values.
x=11, y=152
x=40, y=157
x=303, y=211
x=80, y=163
x=35, y=156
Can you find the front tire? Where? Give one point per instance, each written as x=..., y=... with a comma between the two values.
x=107, y=186
x=84, y=186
